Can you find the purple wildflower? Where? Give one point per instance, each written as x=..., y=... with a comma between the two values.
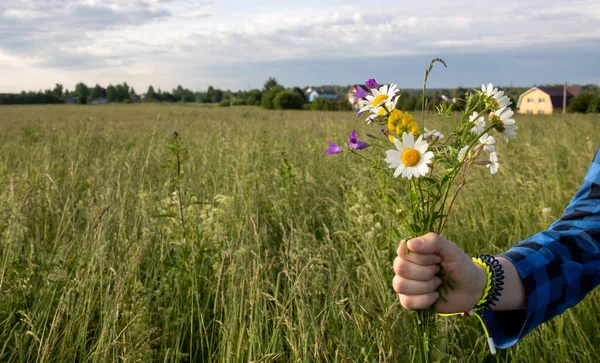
x=361, y=93
x=354, y=143
x=333, y=149
x=372, y=83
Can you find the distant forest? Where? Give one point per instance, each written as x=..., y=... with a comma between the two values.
x=271, y=96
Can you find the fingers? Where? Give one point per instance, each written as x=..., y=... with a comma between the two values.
x=414, y=302
x=415, y=279
x=432, y=243
x=413, y=287
x=412, y=271
x=418, y=258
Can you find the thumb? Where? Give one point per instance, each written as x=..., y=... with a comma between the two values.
x=434, y=243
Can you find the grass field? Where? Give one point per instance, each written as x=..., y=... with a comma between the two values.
x=282, y=254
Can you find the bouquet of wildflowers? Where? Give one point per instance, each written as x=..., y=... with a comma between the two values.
x=432, y=167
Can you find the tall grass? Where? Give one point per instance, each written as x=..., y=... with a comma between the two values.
x=263, y=249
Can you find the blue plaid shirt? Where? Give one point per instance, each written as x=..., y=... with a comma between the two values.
x=558, y=266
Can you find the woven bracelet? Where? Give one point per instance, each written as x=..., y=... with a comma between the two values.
x=494, y=283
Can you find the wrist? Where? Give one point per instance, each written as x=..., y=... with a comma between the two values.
x=479, y=285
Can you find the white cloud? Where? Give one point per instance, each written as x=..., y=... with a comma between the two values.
x=159, y=38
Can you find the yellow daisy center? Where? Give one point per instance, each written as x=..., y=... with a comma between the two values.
x=377, y=100
x=410, y=157
x=498, y=124
x=493, y=104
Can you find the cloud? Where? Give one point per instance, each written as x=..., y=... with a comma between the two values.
x=46, y=32
x=162, y=38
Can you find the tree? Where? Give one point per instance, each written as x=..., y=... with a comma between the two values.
x=210, y=95
x=299, y=91
x=150, y=95
x=81, y=90
x=58, y=90
x=269, y=96
x=270, y=84
x=581, y=102
x=110, y=93
x=322, y=104
x=253, y=97
x=407, y=102
x=343, y=104
x=288, y=100
x=97, y=92
x=218, y=95
x=121, y=92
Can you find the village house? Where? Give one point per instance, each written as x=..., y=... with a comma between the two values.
x=546, y=100
x=327, y=93
x=355, y=102
x=99, y=101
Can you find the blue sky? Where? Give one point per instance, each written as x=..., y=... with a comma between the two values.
x=238, y=44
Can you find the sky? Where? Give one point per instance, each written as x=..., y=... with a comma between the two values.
x=238, y=44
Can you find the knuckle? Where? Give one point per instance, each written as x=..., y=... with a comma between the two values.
x=435, y=269
x=433, y=259
x=431, y=236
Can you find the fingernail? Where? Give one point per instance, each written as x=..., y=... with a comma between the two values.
x=414, y=244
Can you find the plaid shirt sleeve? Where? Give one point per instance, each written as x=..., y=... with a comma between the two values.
x=559, y=267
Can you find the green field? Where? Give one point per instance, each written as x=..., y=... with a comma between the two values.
x=283, y=253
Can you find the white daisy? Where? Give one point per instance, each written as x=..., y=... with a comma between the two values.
x=479, y=123
x=462, y=153
x=503, y=122
x=384, y=96
x=497, y=98
x=488, y=142
x=502, y=102
x=432, y=134
x=489, y=90
x=493, y=165
x=411, y=158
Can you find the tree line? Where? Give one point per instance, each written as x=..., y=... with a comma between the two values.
x=588, y=101
x=120, y=93
x=272, y=96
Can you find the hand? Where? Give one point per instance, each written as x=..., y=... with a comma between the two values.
x=416, y=281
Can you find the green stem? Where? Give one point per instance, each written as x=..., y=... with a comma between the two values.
x=425, y=329
x=454, y=173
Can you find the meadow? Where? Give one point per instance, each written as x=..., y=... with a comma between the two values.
x=242, y=242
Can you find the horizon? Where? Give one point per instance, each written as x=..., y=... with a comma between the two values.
x=236, y=46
